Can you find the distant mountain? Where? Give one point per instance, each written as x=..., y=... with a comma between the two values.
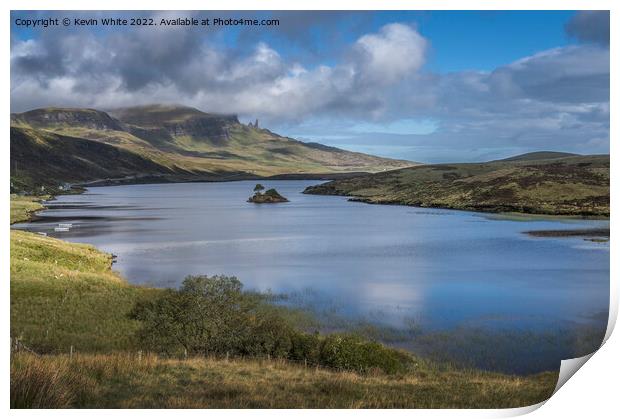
x=187, y=141
x=41, y=158
x=59, y=118
x=540, y=155
x=169, y=123
x=558, y=185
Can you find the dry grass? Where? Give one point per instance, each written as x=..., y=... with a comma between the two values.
x=36, y=383
x=125, y=381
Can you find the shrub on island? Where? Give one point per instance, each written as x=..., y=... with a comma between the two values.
x=271, y=196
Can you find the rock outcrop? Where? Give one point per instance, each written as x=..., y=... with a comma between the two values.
x=271, y=196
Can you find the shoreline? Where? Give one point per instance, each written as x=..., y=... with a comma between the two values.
x=506, y=213
x=233, y=177
x=490, y=213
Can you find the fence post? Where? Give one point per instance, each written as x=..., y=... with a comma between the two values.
x=185, y=353
x=71, y=352
x=139, y=356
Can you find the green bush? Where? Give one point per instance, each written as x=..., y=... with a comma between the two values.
x=214, y=316
x=269, y=334
x=211, y=316
x=350, y=352
x=272, y=192
x=305, y=347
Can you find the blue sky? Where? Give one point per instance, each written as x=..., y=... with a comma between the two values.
x=485, y=40
x=421, y=85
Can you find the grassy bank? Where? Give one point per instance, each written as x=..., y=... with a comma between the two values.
x=65, y=294
x=65, y=297
x=22, y=207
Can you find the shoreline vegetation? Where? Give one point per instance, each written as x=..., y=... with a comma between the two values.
x=73, y=312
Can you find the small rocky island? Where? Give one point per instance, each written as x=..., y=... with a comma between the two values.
x=270, y=196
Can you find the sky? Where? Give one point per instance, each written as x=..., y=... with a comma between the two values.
x=428, y=86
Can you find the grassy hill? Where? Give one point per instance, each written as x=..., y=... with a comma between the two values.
x=65, y=295
x=175, y=141
x=534, y=183
x=42, y=158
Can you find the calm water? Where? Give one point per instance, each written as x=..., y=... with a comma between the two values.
x=442, y=271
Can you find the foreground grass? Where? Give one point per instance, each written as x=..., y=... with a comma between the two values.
x=65, y=295
x=22, y=207
x=126, y=381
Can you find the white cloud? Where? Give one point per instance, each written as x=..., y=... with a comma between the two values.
x=556, y=99
x=260, y=83
x=391, y=54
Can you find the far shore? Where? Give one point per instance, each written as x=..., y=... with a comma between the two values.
x=584, y=232
x=232, y=177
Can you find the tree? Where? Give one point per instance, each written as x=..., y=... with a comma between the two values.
x=211, y=315
x=258, y=188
